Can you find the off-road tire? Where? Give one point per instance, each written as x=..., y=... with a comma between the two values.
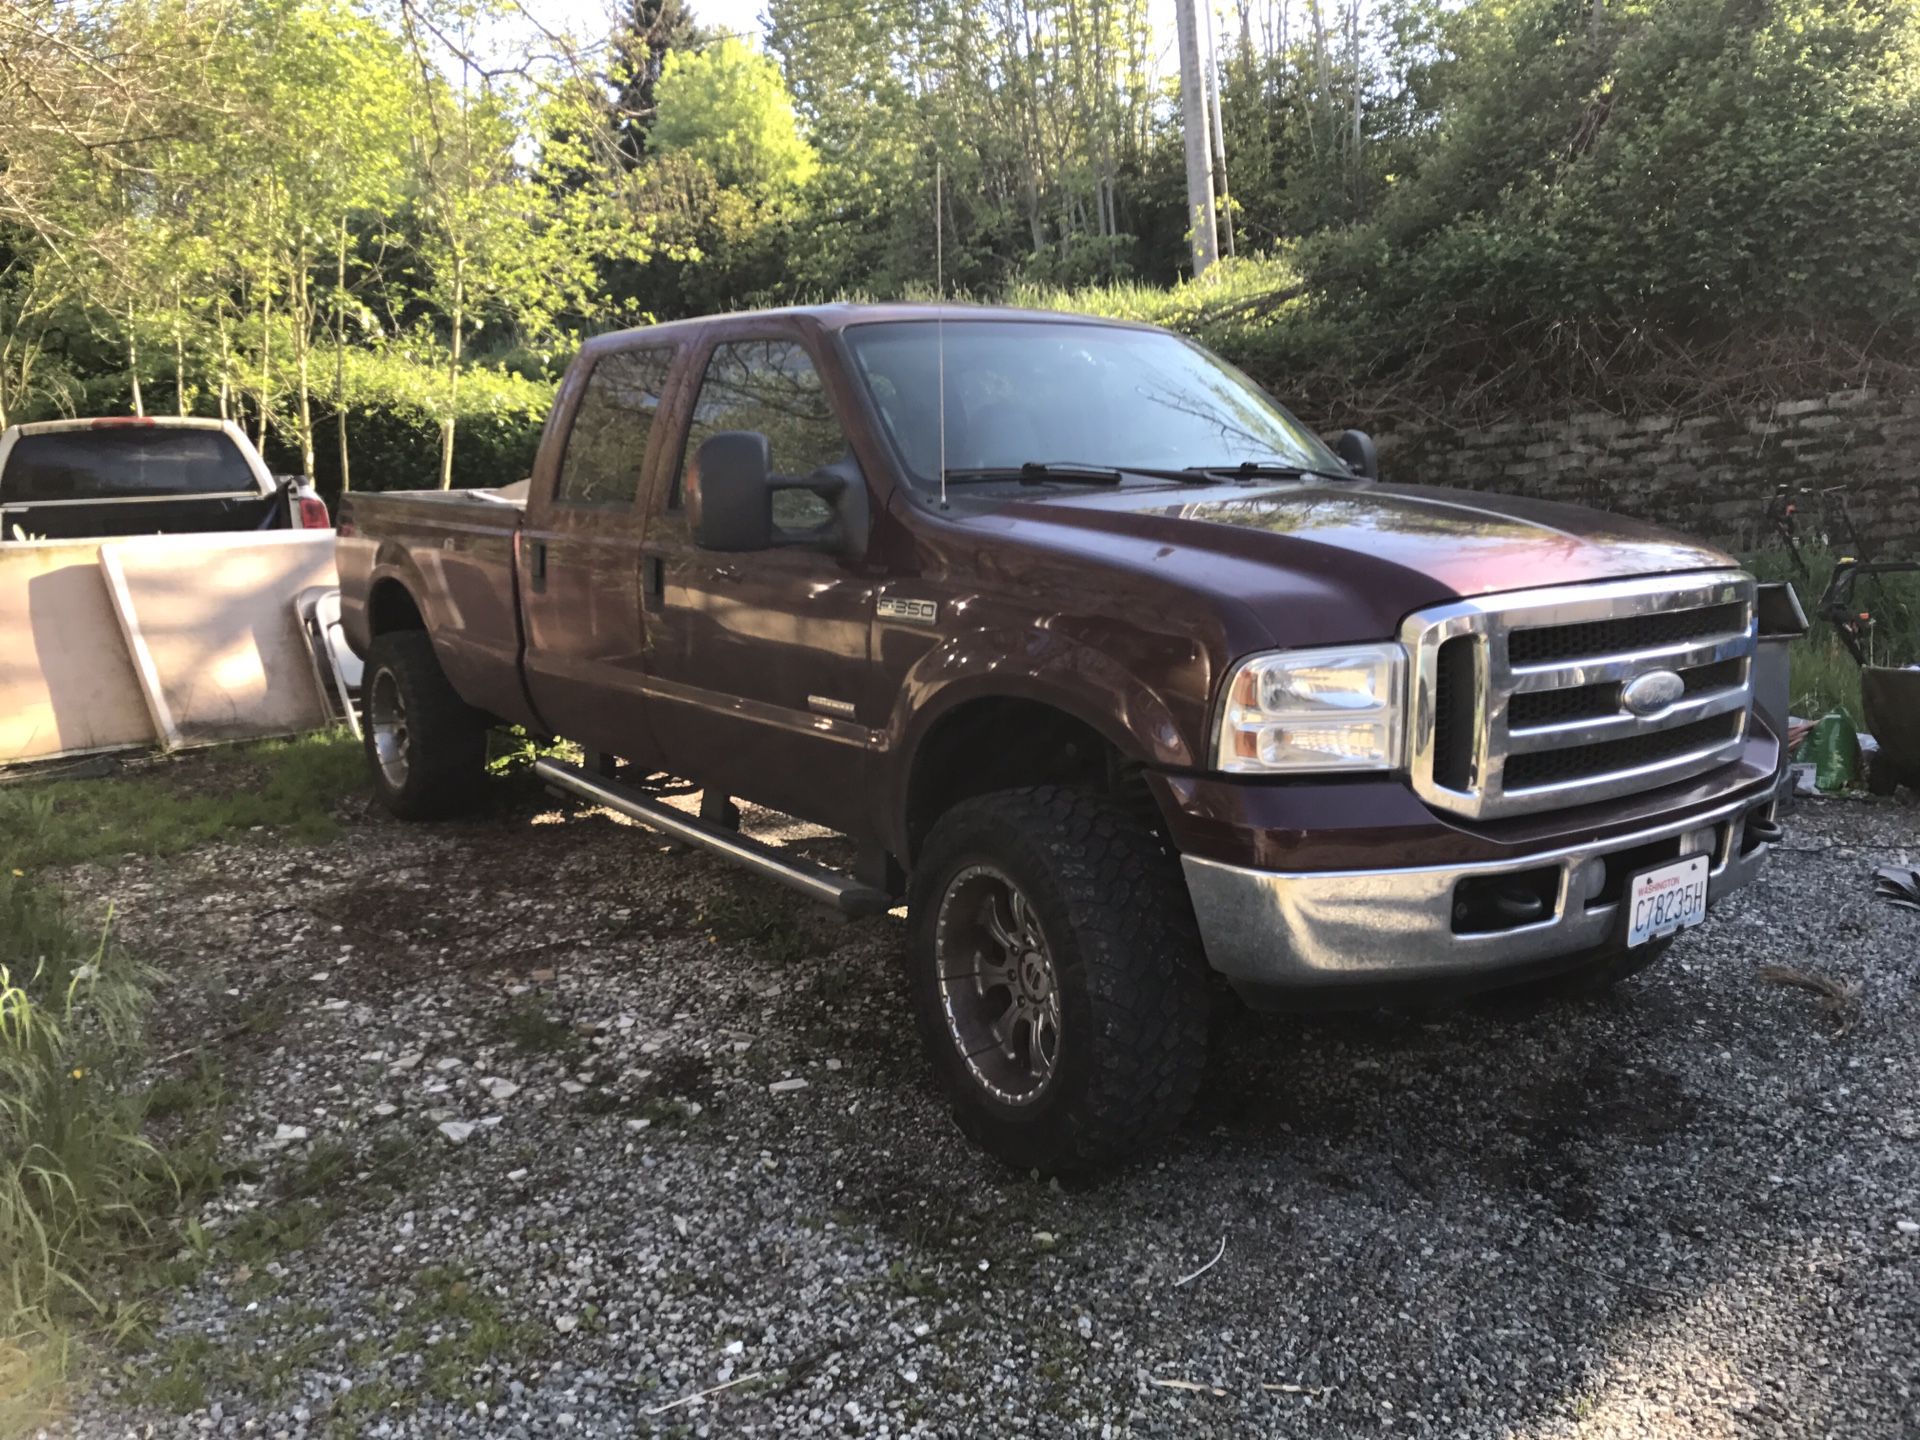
x=445, y=744
x=1131, y=976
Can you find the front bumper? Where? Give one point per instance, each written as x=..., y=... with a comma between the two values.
x=1281, y=937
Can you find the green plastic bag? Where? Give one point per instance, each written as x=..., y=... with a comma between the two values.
x=1833, y=749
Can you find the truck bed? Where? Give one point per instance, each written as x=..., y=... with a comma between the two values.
x=456, y=550
x=485, y=509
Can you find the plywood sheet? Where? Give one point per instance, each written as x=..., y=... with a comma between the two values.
x=67, y=685
x=213, y=630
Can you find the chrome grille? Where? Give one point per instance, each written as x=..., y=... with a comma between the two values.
x=1517, y=698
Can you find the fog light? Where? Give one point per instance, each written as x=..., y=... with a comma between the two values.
x=1591, y=878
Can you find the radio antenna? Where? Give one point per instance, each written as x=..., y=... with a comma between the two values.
x=940, y=313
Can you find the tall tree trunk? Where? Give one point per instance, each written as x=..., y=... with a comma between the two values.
x=453, y=372
x=179, y=359
x=226, y=365
x=266, y=364
x=340, y=356
x=303, y=351
x=1353, y=157
x=133, y=364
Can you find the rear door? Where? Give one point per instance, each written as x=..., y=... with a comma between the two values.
x=580, y=552
x=761, y=682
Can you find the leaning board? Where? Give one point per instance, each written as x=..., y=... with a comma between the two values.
x=212, y=628
x=67, y=686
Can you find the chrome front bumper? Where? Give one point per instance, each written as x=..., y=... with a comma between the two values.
x=1275, y=932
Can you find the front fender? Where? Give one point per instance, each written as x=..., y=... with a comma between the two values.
x=1041, y=665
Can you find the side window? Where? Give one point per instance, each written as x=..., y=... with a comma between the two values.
x=608, y=441
x=770, y=386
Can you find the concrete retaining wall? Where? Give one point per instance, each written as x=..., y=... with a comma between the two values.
x=1711, y=475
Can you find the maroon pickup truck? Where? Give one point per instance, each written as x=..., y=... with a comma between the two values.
x=1107, y=665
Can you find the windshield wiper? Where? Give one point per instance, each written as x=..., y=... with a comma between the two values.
x=1037, y=472
x=1073, y=472
x=1272, y=470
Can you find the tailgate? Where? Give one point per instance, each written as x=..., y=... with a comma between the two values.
x=159, y=515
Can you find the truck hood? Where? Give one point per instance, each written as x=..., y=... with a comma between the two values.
x=1332, y=562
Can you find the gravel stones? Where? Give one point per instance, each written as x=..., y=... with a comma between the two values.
x=1686, y=1209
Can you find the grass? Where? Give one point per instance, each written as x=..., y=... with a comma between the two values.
x=87, y=1200
x=1240, y=308
x=288, y=786
x=101, y=1170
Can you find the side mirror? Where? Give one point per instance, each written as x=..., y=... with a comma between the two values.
x=730, y=490
x=1356, y=449
x=729, y=497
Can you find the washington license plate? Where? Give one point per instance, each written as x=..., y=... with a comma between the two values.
x=1666, y=900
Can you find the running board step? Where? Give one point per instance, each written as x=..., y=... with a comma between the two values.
x=815, y=881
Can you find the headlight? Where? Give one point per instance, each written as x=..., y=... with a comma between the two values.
x=1296, y=711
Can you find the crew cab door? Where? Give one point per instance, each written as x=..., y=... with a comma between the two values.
x=579, y=562
x=760, y=683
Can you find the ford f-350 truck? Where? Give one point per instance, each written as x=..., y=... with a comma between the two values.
x=1108, y=666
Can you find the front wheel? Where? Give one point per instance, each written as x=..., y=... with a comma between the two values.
x=1057, y=977
x=426, y=746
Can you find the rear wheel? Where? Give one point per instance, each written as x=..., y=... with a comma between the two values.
x=425, y=745
x=1057, y=978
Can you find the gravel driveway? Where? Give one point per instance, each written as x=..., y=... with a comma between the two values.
x=555, y=1128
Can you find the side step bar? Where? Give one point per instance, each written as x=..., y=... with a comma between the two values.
x=815, y=881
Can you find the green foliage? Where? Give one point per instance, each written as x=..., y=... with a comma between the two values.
x=727, y=107
x=1692, y=166
x=83, y=1191
x=304, y=212
x=101, y=1166
x=292, y=786
x=396, y=402
x=1824, y=675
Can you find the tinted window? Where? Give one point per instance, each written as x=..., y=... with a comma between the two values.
x=124, y=461
x=771, y=386
x=1091, y=394
x=608, y=441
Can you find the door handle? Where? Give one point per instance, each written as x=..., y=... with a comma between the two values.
x=539, y=569
x=656, y=577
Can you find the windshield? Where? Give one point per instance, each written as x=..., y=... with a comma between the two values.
x=1020, y=392
x=125, y=462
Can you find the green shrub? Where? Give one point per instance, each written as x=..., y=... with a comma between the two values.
x=79, y=1181
x=394, y=407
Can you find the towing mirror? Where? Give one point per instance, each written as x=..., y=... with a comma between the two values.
x=729, y=499
x=1356, y=448
x=730, y=490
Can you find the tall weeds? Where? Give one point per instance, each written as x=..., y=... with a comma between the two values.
x=81, y=1188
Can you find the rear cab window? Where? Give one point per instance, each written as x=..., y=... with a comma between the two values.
x=128, y=462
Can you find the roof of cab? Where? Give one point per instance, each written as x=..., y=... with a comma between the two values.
x=841, y=315
x=123, y=422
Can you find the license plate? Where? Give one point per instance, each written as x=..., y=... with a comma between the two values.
x=1666, y=900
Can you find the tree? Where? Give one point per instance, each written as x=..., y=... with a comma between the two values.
x=500, y=239
x=727, y=107
x=649, y=32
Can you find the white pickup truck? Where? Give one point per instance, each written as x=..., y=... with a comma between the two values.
x=129, y=475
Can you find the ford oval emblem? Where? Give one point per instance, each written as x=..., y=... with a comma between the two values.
x=1652, y=692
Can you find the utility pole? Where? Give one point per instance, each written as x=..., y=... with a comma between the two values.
x=1222, y=202
x=1193, y=129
